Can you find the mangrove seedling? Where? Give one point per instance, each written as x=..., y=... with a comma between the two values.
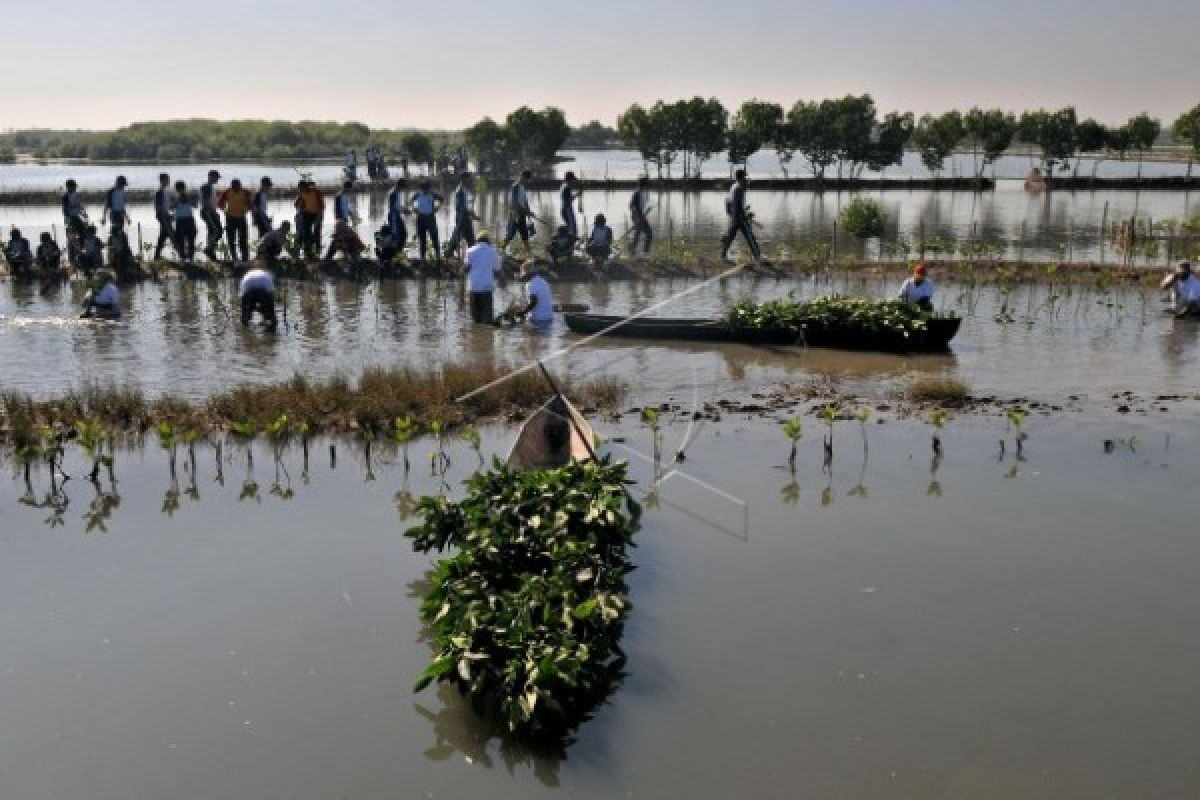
x=404, y=430
x=862, y=415
x=938, y=420
x=92, y=436
x=166, y=440
x=651, y=417
x=470, y=434
x=439, y=462
x=829, y=415
x=793, y=429
x=1016, y=417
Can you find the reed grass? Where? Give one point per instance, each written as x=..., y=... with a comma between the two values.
x=939, y=390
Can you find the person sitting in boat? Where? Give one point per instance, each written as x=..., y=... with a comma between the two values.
x=562, y=243
x=20, y=257
x=918, y=289
x=49, y=254
x=91, y=251
x=270, y=247
x=257, y=293
x=482, y=267
x=600, y=241
x=102, y=301
x=540, y=310
x=1185, y=289
x=345, y=240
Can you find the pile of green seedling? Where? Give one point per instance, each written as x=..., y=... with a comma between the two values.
x=835, y=314
x=527, y=616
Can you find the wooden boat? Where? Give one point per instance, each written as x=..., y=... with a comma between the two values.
x=939, y=332
x=552, y=436
x=694, y=330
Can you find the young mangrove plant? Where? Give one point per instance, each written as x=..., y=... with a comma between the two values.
x=793, y=429
x=404, y=430
x=470, y=435
x=526, y=617
x=652, y=418
x=829, y=415
x=1016, y=419
x=92, y=438
x=938, y=420
x=439, y=462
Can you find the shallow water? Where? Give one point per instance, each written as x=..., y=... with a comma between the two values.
x=992, y=628
x=184, y=338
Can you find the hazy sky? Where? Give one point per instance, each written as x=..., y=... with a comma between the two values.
x=446, y=64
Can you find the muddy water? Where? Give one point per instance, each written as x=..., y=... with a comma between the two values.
x=1049, y=226
x=185, y=338
x=983, y=627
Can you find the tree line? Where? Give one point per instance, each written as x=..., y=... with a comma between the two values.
x=850, y=133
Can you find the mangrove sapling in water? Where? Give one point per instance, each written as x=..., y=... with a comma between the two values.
x=938, y=420
x=793, y=429
x=829, y=415
x=470, y=435
x=1016, y=417
x=652, y=418
x=404, y=430
x=526, y=618
x=92, y=437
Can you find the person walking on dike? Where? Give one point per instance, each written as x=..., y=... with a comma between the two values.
x=397, y=207
x=102, y=301
x=49, y=254
x=482, y=265
x=918, y=289
x=343, y=204
x=639, y=210
x=257, y=293
x=519, y=212
x=540, y=310
x=18, y=253
x=311, y=205
x=209, y=198
x=114, y=205
x=600, y=242
x=464, y=215
x=185, y=224
x=1185, y=290
x=236, y=202
x=568, y=194
x=740, y=220
x=270, y=247
x=426, y=203
x=162, y=213
x=262, y=202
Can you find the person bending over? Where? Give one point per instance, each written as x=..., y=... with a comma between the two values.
x=257, y=292
x=103, y=301
x=49, y=254
x=540, y=310
x=918, y=289
x=600, y=241
x=1185, y=289
x=270, y=247
x=345, y=240
x=91, y=251
x=20, y=257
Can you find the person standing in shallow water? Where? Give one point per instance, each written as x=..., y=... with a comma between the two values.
x=162, y=213
x=519, y=212
x=639, y=210
x=568, y=193
x=114, y=205
x=464, y=216
x=236, y=202
x=185, y=224
x=482, y=267
x=208, y=212
x=739, y=220
x=426, y=203
x=262, y=201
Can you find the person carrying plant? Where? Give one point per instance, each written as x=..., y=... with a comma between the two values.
x=257, y=293
x=482, y=265
x=426, y=203
x=639, y=211
x=740, y=220
x=208, y=212
x=1185, y=289
x=18, y=253
x=262, y=201
x=49, y=254
x=236, y=202
x=162, y=213
x=185, y=224
x=114, y=204
x=519, y=212
x=918, y=289
x=464, y=217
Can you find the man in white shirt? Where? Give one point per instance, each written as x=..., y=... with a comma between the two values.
x=918, y=289
x=257, y=291
x=540, y=310
x=482, y=267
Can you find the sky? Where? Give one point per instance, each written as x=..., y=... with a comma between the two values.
x=437, y=64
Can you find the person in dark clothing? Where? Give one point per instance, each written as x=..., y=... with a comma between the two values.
x=464, y=217
x=91, y=251
x=426, y=204
x=74, y=217
x=519, y=212
x=386, y=247
x=236, y=202
x=270, y=247
x=639, y=210
x=208, y=212
x=185, y=224
x=49, y=254
x=568, y=193
x=162, y=212
x=562, y=245
x=120, y=254
x=18, y=253
x=397, y=207
x=739, y=220
x=114, y=204
x=262, y=200
x=343, y=204
x=344, y=240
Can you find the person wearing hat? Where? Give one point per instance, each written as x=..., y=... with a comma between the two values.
x=739, y=219
x=1185, y=289
x=209, y=198
x=481, y=266
x=236, y=202
x=162, y=213
x=114, y=204
x=18, y=253
x=540, y=310
x=49, y=254
x=102, y=301
x=918, y=289
x=262, y=199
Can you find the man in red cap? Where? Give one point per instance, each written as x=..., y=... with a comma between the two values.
x=918, y=289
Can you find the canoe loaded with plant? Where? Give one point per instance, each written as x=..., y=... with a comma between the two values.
x=526, y=616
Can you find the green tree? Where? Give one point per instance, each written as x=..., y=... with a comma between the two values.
x=1092, y=137
x=813, y=134
x=487, y=143
x=537, y=136
x=936, y=138
x=889, y=140
x=1143, y=132
x=696, y=128
x=754, y=126
x=990, y=133
x=1187, y=129
x=1053, y=132
x=644, y=131
x=854, y=128
x=419, y=148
